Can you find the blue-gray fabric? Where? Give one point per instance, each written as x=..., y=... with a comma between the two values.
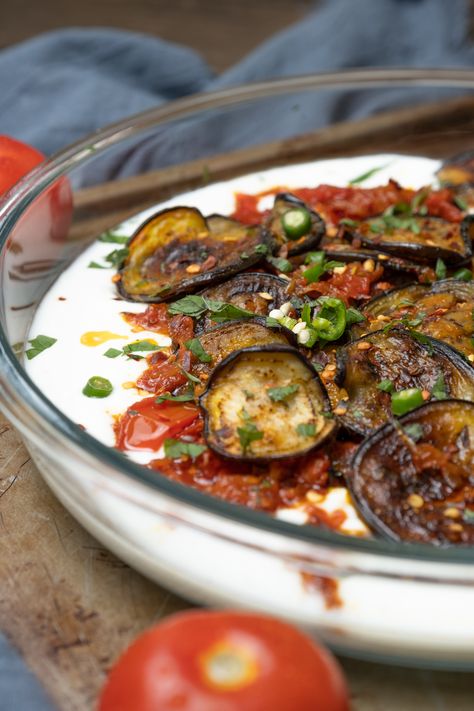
x=60, y=86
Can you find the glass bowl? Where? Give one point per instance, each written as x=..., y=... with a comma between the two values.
x=399, y=602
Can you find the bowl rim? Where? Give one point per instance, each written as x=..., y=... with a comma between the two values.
x=28, y=408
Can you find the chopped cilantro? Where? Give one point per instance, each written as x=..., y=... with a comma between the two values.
x=196, y=348
x=283, y=393
x=176, y=449
x=414, y=431
x=306, y=429
x=439, y=388
x=191, y=378
x=386, y=386
x=368, y=174
x=248, y=433
x=96, y=265
x=283, y=265
x=140, y=346
x=38, y=345
x=111, y=236
x=220, y=311
x=116, y=257
x=440, y=269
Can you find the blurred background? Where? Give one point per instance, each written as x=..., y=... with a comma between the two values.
x=223, y=31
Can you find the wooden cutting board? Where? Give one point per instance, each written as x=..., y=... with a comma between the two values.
x=70, y=606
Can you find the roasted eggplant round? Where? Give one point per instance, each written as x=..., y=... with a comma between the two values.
x=177, y=251
x=373, y=368
x=284, y=203
x=219, y=341
x=346, y=252
x=457, y=170
x=265, y=403
x=413, y=480
x=422, y=239
x=254, y=291
x=443, y=310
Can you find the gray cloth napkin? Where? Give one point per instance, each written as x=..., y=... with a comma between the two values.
x=60, y=86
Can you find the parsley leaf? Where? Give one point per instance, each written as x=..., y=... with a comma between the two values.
x=353, y=315
x=440, y=269
x=414, y=431
x=306, y=429
x=116, y=257
x=248, y=433
x=386, y=386
x=196, y=348
x=439, y=388
x=176, y=449
x=365, y=176
x=113, y=353
x=220, y=311
x=96, y=265
x=194, y=306
x=191, y=378
x=283, y=265
x=110, y=236
x=140, y=346
x=38, y=345
x=283, y=393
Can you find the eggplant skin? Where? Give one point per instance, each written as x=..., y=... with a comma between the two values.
x=220, y=341
x=397, y=356
x=345, y=252
x=436, y=239
x=442, y=310
x=238, y=399
x=413, y=481
x=284, y=202
x=253, y=291
x=178, y=251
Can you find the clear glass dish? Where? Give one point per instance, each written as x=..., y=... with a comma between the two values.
x=407, y=603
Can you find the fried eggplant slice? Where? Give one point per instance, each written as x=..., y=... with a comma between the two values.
x=400, y=359
x=413, y=480
x=443, y=310
x=347, y=252
x=177, y=251
x=421, y=239
x=253, y=291
x=265, y=403
x=458, y=170
x=313, y=229
x=219, y=341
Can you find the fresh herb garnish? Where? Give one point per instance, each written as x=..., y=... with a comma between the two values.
x=195, y=346
x=110, y=236
x=168, y=397
x=353, y=315
x=368, y=174
x=440, y=269
x=414, y=431
x=116, y=257
x=96, y=265
x=461, y=203
x=319, y=266
x=219, y=311
x=386, y=386
x=439, y=388
x=272, y=322
x=283, y=393
x=140, y=346
x=424, y=340
x=248, y=433
x=261, y=249
x=190, y=377
x=306, y=429
x=176, y=449
x=283, y=265
x=113, y=353
x=347, y=221
x=468, y=515
x=38, y=345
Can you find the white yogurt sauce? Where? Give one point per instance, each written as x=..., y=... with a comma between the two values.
x=84, y=300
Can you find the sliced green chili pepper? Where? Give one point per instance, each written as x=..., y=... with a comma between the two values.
x=406, y=400
x=463, y=274
x=97, y=387
x=296, y=222
x=330, y=321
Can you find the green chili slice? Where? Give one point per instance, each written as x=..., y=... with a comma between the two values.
x=296, y=222
x=406, y=400
x=330, y=321
x=97, y=387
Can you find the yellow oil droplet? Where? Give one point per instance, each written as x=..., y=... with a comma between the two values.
x=97, y=338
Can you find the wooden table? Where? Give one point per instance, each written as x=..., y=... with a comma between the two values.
x=69, y=605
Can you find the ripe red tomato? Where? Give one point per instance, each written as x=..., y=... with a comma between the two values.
x=147, y=424
x=224, y=661
x=52, y=210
